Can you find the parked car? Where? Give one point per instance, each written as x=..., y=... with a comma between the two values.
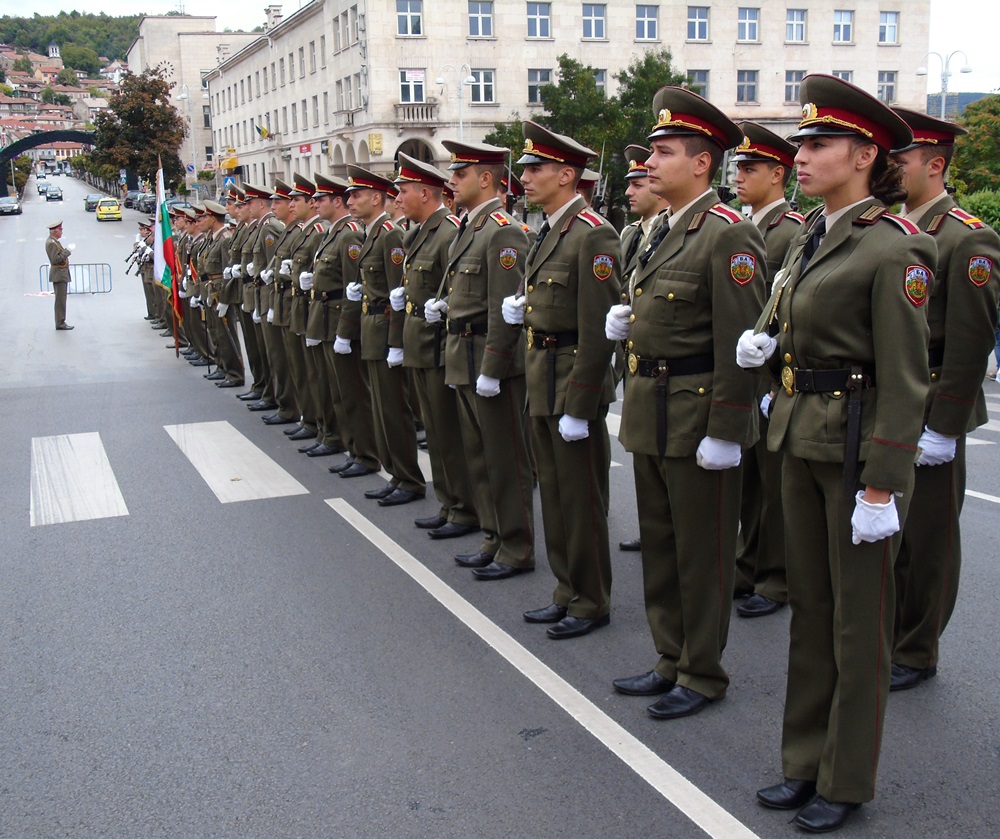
x=10, y=205
x=180, y=203
x=53, y=193
x=146, y=203
x=131, y=196
x=90, y=202
x=108, y=209
x=42, y=187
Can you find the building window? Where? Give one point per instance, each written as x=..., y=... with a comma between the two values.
x=357, y=87
x=601, y=81
x=480, y=19
x=748, y=21
x=263, y=77
x=411, y=86
x=305, y=115
x=539, y=20
x=349, y=87
x=209, y=153
x=312, y=56
x=795, y=26
x=888, y=27
x=341, y=102
x=593, y=21
x=537, y=79
x=482, y=89
x=793, y=78
x=316, y=110
x=846, y=75
x=295, y=117
x=274, y=78
x=409, y=18
x=281, y=67
x=204, y=79
x=338, y=44
x=355, y=25
x=256, y=84
x=887, y=86
x=698, y=82
x=291, y=67
x=697, y=23
x=302, y=62
x=746, y=85
x=322, y=50
x=645, y=22
x=326, y=107
x=284, y=120
x=206, y=116
x=843, y=27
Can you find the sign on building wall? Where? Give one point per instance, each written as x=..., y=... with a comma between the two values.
x=305, y=148
x=375, y=143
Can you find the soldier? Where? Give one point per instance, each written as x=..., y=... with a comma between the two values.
x=240, y=288
x=587, y=186
x=572, y=276
x=764, y=163
x=432, y=229
x=192, y=287
x=135, y=258
x=380, y=265
x=848, y=311
x=213, y=259
x=962, y=313
x=59, y=274
x=689, y=410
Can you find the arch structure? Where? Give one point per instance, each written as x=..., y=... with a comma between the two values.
x=42, y=138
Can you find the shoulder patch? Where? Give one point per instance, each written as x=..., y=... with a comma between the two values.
x=908, y=227
x=353, y=225
x=726, y=212
x=454, y=220
x=870, y=216
x=604, y=266
x=918, y=277
x=742, y=267
x=980, y=269
x=508, y=258
x=591, y=218
x=500, y=218
x=966, y=218
x=354, y=251
x=397, y=255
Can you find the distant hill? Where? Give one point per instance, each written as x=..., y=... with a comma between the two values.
x=105, y=35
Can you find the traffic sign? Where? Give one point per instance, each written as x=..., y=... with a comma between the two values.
x=121, y=173
x=190, y=167
x=228, y=182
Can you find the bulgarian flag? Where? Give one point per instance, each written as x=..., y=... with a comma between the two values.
x=165, y=266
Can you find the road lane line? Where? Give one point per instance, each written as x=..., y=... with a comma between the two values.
x=233, y=467
x=685, y=796
x=614, y=424
x=72, y=480
x=982, y=496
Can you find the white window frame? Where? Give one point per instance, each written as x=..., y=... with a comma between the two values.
x=539, y=15
x=846, y=75
x=793, y=81
x=888, y=28
x=887, y=83
x=409, y=18
x=480, y=18
x=748, y=24
x=843, y=26
x=794, y=26
x=747, y=86
x=595, y=22
x=536, y=83
x=412, y=90
x=698, y=81
x=647, y=26
x=698, y=20
x=484, y=90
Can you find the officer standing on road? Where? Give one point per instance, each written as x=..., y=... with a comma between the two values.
x=214, y=260
x=59, y=275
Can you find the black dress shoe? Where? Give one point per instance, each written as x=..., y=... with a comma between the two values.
x=451, y=530
x=498, y=571
x=230, y=383
x=381, y=492
x=822, y=816
x=65, y=327
x=430, y=522
x=323, y=450
x=356, y=470
x=302, y=434
x=630, y=545
x=476, y=560
x=200, y=362
x=166, y=333
x=288, y=432
x=553, y=613
x=276, y=419
x=756, y=606
x=249, y=396
x=904, y=678
x=262, y=406
x=788, y=795
x=340, y=467
x=399, y=496
x=308, y=447
x=648, y=684
x=148, y=317
x=571, y=627
x=679, y=702
x=217, y=376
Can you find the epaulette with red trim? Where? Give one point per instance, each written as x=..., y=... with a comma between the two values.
x=726, y=212
x=317, y=227
x=500, y=218
x=967, y=219
x=907, y=226
x=525, y=228
x=870, y=216
x=388, y=225
x=454, y=220
x=798, y=218
x=697, y=222
x=353, y=225
x=592, y=218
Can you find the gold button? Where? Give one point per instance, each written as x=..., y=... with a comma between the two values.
x=670, y=296
x=450, y=289
x=788, y=357
x=934, y=377
x=624, y=296
x=531, y=288
x=453, y=273
x=631, y=318
x=574, y=351
x=701, y=390
x=529, y=310
x=638, y=292
x=550, y=281
x=837, y=394
x=784, y=326
x=406, y=282
x=631, y=345
x=364, y=296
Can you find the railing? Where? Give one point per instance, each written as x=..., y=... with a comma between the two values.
x=416, y=112
x=85, y=278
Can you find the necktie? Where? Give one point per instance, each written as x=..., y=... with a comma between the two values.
x=819, y=231
x=633, y=246
x=463, y=225
x=654, y=243
x=538, y=242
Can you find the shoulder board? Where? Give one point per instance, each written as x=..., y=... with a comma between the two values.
x=454, y=220
x=697, y=221
x=966, y=218
x=636, y=223
x=798, y=218
x=870, y=216
x=728, y=213
x=500, y=218
x=591, y=218
x=936, y=223
x=908, y=227
x=318, y=227
x=525, y=228
x=300, y=225
x=388, y=225
x=353, y=225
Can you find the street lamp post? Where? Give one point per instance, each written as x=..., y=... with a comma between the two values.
x=185, y=96
x=469, y=79
x=945, y=72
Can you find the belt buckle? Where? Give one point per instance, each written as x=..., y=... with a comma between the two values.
x=788, y=379
x=312, y=294
x=531, y=338
x=633, y=363
x=364, y=308
x=409, y=307
x=550, y=342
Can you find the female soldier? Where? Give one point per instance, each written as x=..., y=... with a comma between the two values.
x=851, y=346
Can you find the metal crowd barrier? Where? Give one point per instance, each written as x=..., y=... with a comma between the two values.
x=85, y=278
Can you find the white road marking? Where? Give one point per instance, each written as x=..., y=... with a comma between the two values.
x=233, y=467
x=423, y=460
x=72, y=480
x=614, y=424
x=685, y=796
x=991, y=425
x=973, y=441
x=982, y=496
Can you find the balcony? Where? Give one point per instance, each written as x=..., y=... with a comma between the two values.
x=417, y=114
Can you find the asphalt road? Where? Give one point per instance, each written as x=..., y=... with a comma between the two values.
x=284, y=666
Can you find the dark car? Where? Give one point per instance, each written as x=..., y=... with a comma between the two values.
x=90, y=202
x=53, y=193
x=179, y=203
x=131, y=196
x=10, y=206
x=146, y=203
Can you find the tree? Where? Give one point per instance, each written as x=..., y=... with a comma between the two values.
x=976, y=165
x=50, y=97
x=81, y=58
x=141, y=127
x=3, y=75
x=23, y=65
x=67, y=77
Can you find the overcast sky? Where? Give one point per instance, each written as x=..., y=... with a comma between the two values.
x=969, y=25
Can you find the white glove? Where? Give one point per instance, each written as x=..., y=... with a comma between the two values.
x=237, y=272
x=246, y=308
x=182, y=293
x=138, y=238
x=71, y=247
x=616, y=324
x=433, y=310
x=267, y=276
x=488, y=386
x=270, y=315
x=251, y=269
x=286, y=267
x=222, y=308
x=715, y=454
x=765, y=404
x=513, y=310
x=753, y=349
x=313, y=342
x=395, y=357
x=572, y=428
x=353, y=292
x=306, y=280
x=228, y=273
x=195, y=302
x=397, y=299
x=341, y=346
x=873, y=522
x=935, y=448
x=256, y=316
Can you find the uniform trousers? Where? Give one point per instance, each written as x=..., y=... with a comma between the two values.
x=282, y=385
x=147, y=291
x=842, y=597
x=929, y=561
x=60, y=289
x=305, y=397
x=395, y=433
x=321, y=387
x=493, y=439
x=228, y=356
x=353, y=400
x=572, y=484
x=688, y=518
x=255, y=352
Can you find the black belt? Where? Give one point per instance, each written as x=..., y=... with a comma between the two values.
x=552, y=340
x=298, y=292
x=831, y=381
x=415, y=311
x=467, y=330
x=690, y=366
x=324, y=296
x=375, y=308
x=283, y=286
x=935, y=356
